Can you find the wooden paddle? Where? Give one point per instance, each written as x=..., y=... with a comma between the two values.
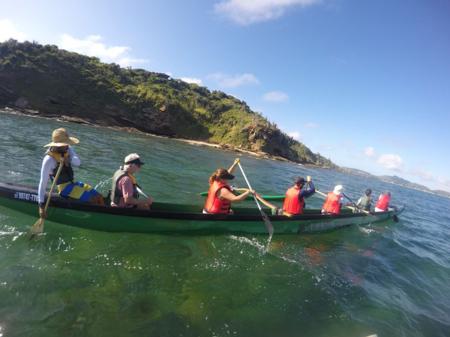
x=38, y=226
x=350, y=207
x=142, y=192
x=264, y=216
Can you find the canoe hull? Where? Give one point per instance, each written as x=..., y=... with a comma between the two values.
x=170, y=218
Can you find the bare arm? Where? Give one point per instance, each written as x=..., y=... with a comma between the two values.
x=127, y=192
x=227, y=195
x=265, y=202
x=236, y=161
x=240, y=189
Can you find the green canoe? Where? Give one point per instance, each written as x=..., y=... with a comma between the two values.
x=174, y=218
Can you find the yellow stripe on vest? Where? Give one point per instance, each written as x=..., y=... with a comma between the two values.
x=78, y=189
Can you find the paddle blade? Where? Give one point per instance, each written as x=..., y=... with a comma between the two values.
x=267, y=222
x=38, y=227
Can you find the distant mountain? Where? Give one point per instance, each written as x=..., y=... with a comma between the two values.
x=442, y=193
x=396, y=180
x=403, y=182
x=355, y=172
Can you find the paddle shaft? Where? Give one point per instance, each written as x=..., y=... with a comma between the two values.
x=38, y=226
x=324, y=195
x=250, y=187
x=58, y=172
x=321, y=193
x=141, y=191
x=266, y=220
x=345, y=196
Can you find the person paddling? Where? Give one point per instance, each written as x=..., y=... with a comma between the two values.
x=220, y=196
x=365, y=202
x=294, y=202
x=124, y=192
x=60, y=150
x=382, y=204
x=333, y=202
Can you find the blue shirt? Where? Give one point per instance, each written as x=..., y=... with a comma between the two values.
x=307, y=191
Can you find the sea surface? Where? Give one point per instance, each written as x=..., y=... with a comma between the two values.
x=389, y=279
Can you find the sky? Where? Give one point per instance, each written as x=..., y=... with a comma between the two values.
x=364, y=83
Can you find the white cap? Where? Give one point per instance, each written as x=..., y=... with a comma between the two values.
x=338, y=189
x=132, y=157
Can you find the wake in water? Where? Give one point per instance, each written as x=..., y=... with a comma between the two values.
x=8, y=231
x=104, y=186
x=263, y=249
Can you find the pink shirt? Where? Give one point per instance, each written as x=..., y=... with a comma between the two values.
x=125, y=185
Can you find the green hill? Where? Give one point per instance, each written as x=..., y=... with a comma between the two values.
x=52, y=82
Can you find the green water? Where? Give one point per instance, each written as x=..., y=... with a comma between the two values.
x=391, y=279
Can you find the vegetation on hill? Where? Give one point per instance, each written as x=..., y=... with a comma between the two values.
x=54, y=83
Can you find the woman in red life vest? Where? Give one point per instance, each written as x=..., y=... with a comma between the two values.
x=334, y=201
x=220, y=196
x=383, y=202
x=294, y=202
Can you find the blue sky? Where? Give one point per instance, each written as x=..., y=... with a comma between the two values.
x=365, y=83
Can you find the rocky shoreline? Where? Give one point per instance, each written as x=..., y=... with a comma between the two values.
x=78, y=120
x=223, y=147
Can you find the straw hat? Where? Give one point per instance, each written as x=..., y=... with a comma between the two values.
x=60, y=137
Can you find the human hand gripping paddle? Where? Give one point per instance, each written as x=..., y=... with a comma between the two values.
x=38, y=226
x=264, y=216
x=142, y=192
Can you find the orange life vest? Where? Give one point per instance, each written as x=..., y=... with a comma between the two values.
x=214, y=204
x=293, y=203
x=383, y=202
x=332, y=204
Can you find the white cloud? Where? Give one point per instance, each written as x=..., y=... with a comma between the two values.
x=233, y=81
x=9, y=31
x=311, y=125
x=423, y=174
x=436, y=182
x=391, y=161
x=295, y=134
x=92, y=45
x=246, y=12
x=275, y=96
x=444, y=183
x=191, y=80
x=369, y=151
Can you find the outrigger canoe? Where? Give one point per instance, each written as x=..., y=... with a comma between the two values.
x=174, y=218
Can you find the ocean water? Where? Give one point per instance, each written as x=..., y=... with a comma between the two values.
x=389, y=279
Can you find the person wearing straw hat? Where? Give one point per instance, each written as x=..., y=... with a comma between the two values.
x=60, y=150
x=333, y=202
x=125, y=189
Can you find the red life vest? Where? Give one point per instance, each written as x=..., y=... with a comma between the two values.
x=214, y=204
x=383, y=202
x=293, y=203
x=332, y=204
